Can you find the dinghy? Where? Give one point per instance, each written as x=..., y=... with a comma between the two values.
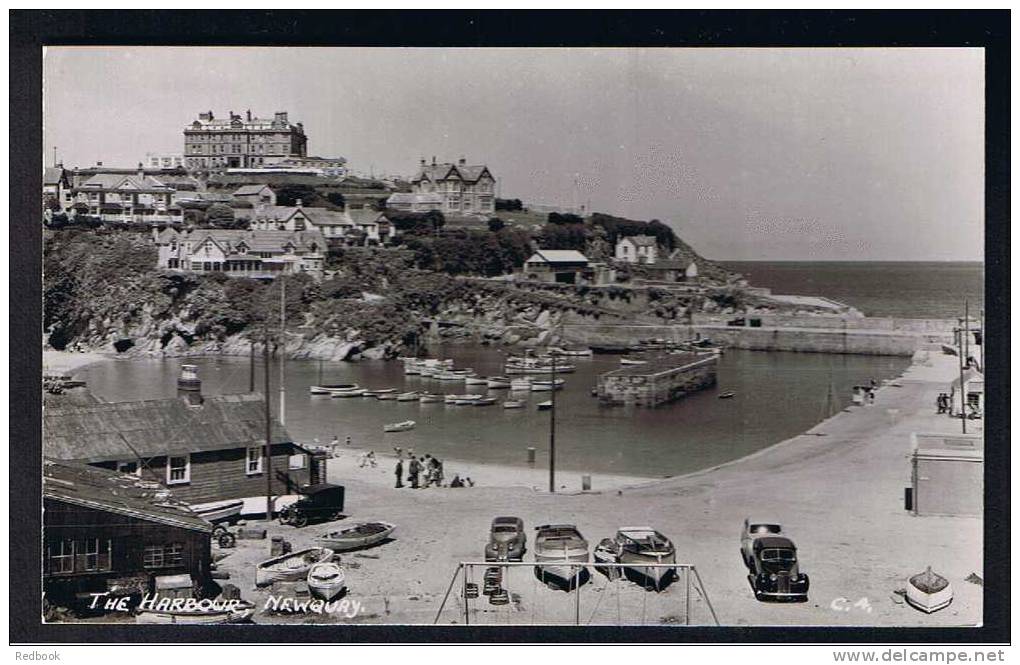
x=466, y=400
x=400, y=427
x=327, y=389
x=347, y=392
x=929, y=591
x=545, y=406
x=547, y=386
x=326, y=580
x=514, y=404
x=380, y=392
x=498, y=382
x=476, y=381
x=220, y=512
x=408, y=397
x=221, y=612
x=356, y=536
x=727, y=395
x=484, y=401
x=290, y=567
x=430, y=398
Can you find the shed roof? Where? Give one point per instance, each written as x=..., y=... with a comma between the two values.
x=557, y=256
x=118, y=493
x=152, y=428
x=250, y=190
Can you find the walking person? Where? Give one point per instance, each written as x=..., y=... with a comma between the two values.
x=400, y=473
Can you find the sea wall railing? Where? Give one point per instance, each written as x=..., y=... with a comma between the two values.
x=594, y=593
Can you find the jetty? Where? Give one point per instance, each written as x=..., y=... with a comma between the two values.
x=662, y=379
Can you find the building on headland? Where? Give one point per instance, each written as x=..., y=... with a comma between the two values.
x=127, y=197
x=259, y=254
x=637, y=249
x=204, y=448
x=338, y=227
x=155, y=160
x=333, y=167
x=661, y=380
x=56, y=189
x=407, y=202
x=561, y=266
x=242, y=142
x=110, y=532
x=255, y=195
x=462, y=189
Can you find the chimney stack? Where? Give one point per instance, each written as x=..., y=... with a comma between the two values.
x=189, y=386
x=298, y=203
x=141, y=170
x=433, y=160
x=423, y=161
x=463, y=161
x=249, y=115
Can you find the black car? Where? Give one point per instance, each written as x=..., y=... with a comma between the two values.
x=774, y=572
x=321, y=502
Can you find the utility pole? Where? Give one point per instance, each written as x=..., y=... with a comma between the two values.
x=269, y=431
x=552, y=431
x=963, y=392
x=251, y=365
x=283, y=350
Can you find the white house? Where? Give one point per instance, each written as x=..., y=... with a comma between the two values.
x=637, y=249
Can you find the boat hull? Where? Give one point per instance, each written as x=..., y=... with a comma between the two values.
x=929, y=602
x=290, y=567
x=221, y=512
x=326, y=581
x=343, y=542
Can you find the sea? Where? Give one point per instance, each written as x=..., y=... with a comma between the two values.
x=918, y=290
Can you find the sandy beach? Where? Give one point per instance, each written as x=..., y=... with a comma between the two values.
x=837, y=489
x=66, y=362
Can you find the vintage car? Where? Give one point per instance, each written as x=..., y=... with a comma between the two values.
x=321, y=502
x=752, y=530
x=506, y=540
x=774, y=573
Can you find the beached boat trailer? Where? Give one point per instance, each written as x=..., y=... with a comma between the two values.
x=495, y=574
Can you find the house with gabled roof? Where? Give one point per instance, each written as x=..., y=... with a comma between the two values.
x=463, y=189
x=260, y=254
x=127, y=197
x=256, y=195
x=637, y=249
x=338, y=227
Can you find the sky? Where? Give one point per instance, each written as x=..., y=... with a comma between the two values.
x=749, y=154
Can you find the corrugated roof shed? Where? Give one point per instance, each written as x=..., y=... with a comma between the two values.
x=151, y=428
x=558, y=256
x=119, y=493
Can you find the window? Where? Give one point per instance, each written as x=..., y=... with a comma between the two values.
x=296, y=462
x=163, y=556
x=83, y=555
x=61, y=556
x=178, y=470
x=253, y=462
x=129, y=467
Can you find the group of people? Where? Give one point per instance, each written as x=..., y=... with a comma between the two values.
x=943, y=403
x=424, y=471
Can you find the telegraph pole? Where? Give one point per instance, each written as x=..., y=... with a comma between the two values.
x=283, y=350
x=552, y=430
x=269, y=430
x=251, y=365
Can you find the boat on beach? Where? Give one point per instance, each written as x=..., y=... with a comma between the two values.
x=547, y=386
x=326, y=580
x=637, y=545
x=228, y=511
x=409, y=397
x=562, y=553
x=498, y=382
x=327, y=389
x=290, y=567
x=221, y=612
x=929, y=591
x=399, y=427
x=356, y=536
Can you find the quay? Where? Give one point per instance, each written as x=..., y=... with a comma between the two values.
x=662, y=379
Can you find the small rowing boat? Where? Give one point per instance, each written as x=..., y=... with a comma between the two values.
x=326, y=580
x=547, y=386
x=727, y=395
x=430, y=398
x=466, y=400
x=545, y=406
x=514, y=404
x=220, y=512
x=408, y=397
x=328, y=389
x=498, y=382
x=290, y=567
x=356, y=536
x=929, y=591
x=485, y=401
x=400, y=427
x=380, y=391
x=347, y=392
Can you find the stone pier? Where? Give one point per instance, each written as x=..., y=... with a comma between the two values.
x=662, y=379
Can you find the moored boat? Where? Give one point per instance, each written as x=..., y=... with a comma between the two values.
x=408, y=397
x=543, y=368
x=476, y=381
x=573, y=351
x=727, y=395
x=544, y=406
x=562, y=552
x=929, y=591
x=326, y=580
x=547, y=386
x=466, y=400
x=356, y=536
x=629, y=360
x=450, y=376
x=206, y=613
x=430, y=398
x=330, y=387
x=290, y=567
x=347, y=392
x=514, y=404
x=498, y=382
x=522, y=384
x=399, y=427
x=484, y=401
x=386, y=397
x=379, y=392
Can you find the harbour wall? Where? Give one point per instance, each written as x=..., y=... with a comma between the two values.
x=654, y=384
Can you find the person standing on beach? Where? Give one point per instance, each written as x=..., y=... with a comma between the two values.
x=413, y=469
x=400, y=473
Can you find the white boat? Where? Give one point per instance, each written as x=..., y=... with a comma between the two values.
x=563, y=553
x=579, y=352
x=326, y=580
x=380, y=392
x=219, y=512
x=633, y=361
x=484, y=401
x=384, y=397
x=544, y=406
x=400, y=427
x=356, y=536
x=347, y=392
x=644, y=545
x=466, y=400
x=522, y=384
x=547, y=386
x=476, y=381
x=290, y=567
x=538, y=369
x=450, y=376
x=450, y=399
x=430, y=398
x=408, y=397
x=222, y=612
x=329, y=388
x=929, y=591
x=498, y=382
x=514, y=404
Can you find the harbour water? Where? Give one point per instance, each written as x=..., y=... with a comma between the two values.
x=778, y=395
x=907, y=289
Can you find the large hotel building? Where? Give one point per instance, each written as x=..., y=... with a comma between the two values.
x=242, y=142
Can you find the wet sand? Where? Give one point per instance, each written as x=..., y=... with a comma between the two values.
x=837, y=489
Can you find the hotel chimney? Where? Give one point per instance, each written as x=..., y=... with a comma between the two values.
x=189, y=386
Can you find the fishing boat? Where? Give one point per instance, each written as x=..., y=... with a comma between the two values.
x=484, y=401
x=514, y=404
x=562, y=552
x=220, y=612
x=290, y=567
x=547, y=386
x=476, y=381
x=498, y=382
x=328, y=388
x=408, y=397
x=643, y=545
x=347, y=392
x=522, y=384
x=378, y=393
x=326, y=580
x=929, y=591
x=356, y=536
x=399, y=427
x=430, y=398
x=227, y=511
x=545, y=406
x=727, y=395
